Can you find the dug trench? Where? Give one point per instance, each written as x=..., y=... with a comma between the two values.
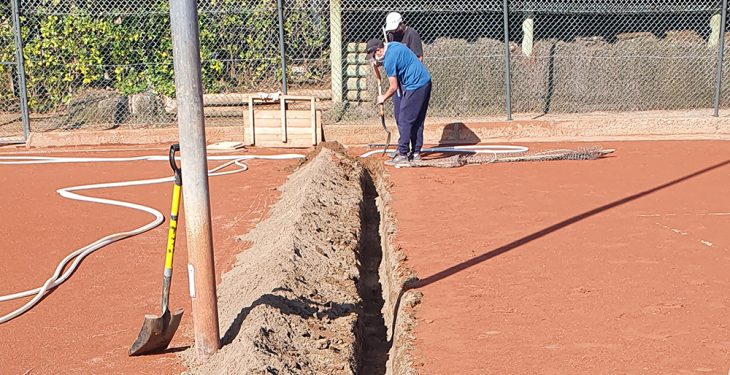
x=320, y=288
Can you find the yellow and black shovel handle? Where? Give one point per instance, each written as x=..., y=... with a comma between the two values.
x=171, y=233
x=157, y=331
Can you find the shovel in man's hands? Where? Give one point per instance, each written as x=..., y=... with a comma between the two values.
x=381, y=106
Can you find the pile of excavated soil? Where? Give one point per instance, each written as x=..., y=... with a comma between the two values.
x=322, y=289
x=290, y=305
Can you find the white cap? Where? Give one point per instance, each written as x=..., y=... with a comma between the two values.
x=392, y=21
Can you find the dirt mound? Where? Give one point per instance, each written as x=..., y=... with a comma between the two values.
x=290, y=305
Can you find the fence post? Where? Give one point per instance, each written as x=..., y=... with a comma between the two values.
x=507, y=79
x=20, y=65
x=528, y=34
x=336, y=50
x=282, y=48
x=191, y=125
x=720, y=53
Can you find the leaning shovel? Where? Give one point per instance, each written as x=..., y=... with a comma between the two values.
x=157, y=331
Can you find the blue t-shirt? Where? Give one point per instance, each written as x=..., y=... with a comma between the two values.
x=402, y=63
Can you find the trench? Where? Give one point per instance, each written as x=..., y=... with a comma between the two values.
x=320, y=288
x=374, y=345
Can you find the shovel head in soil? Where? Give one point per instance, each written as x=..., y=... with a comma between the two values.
x=156, y=333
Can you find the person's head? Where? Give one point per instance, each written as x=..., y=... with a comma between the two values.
x=375, y=50
x=394, y=23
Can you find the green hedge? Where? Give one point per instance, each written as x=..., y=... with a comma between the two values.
x=71, y=48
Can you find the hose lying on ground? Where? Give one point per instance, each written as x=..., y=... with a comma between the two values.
x=59, y=276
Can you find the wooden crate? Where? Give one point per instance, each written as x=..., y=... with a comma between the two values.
x=300, y=128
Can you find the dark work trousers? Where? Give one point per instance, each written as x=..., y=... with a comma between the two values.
x=410, y=114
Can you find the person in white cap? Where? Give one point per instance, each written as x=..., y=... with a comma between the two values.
x=397, y=31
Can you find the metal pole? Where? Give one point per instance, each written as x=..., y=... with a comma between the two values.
x=282, y=49
x=720, y=53
x=507, y=80
x=20, y=64
x=191, y=123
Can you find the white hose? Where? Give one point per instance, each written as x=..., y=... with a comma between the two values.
x=478, y=149
x=77, y=256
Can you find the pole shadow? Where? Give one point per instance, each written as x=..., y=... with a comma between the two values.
x=419, y=283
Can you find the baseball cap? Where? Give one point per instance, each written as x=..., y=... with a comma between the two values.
x=392, y=20
x=372, y=46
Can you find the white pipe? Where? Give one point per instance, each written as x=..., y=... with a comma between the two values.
x=52, y=159
x=78, y=255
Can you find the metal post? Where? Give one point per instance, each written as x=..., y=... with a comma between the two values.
x=507, y=80
x=191, y=123
x=336, y=50
x=20, y=64
x=282, y=49
x=720, y=53
x=528, y=33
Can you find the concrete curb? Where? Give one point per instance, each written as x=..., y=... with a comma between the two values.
x=656, y=125
x=579, y=128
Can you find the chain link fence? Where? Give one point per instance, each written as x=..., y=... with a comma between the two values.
x=613, y=56
x=107, y=64
x=462, y=50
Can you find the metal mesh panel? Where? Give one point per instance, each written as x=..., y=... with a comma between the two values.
x=464, y=54
x=306, y=37
x=239, y=46
x=101, y=64
x=106, y=64
x=11, y=126
x=462, y=49
x=613, y=55
x=97, y=64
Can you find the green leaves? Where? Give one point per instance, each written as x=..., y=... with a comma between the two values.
x=71, y=47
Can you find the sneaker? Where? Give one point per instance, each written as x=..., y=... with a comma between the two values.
x=416, y=156
x=398, y=159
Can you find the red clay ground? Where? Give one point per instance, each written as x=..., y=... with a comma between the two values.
x=617, y=265
x=87, y=325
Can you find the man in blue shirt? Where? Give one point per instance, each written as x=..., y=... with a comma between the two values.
x=406, y=71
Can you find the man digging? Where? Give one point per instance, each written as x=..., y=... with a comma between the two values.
x=406, y=71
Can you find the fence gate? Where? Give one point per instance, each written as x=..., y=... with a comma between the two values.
x=13, y=108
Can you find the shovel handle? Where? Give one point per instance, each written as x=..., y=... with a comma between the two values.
x=172, y=231
x=381, y=106
x=173, y=163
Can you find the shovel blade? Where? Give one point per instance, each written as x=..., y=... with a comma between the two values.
x=156, y=333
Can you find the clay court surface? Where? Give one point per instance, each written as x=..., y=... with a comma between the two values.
x=617, y=265
x=87, y=324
